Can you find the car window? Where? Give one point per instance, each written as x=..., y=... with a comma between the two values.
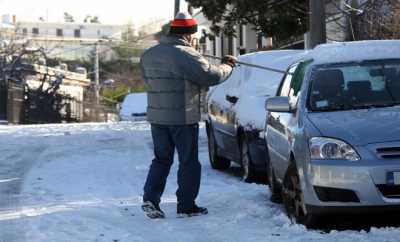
x=285, y=86
x=298, y=78
x=355, y=86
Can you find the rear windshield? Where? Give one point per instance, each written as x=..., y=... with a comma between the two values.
x=355, y=86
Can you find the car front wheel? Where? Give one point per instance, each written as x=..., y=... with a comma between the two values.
x=293, y=200
x=249, y=173
x=217, y=162
x=274, y=187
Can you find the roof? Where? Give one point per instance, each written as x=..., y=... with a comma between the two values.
x=70, y=78
x=355, y=51
x=6, y=26
x=72, y=24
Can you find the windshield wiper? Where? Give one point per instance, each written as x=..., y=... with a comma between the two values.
x=340, y=107
x=376, y=105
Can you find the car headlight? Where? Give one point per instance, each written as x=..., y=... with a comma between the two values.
x=322, y=148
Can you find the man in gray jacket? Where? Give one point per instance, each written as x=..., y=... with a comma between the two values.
x=175, y=73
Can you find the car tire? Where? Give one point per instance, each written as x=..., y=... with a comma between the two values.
x=274, y=186
x=249, y=174
x=217, y=162
x=293, y=199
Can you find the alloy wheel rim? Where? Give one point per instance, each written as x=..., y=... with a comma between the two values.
x=294, y=198
x=212, y=148
x=270, y=177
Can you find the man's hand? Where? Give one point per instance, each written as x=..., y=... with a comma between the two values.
x=229, y=60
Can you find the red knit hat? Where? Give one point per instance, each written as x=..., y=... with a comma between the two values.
x=183, y=24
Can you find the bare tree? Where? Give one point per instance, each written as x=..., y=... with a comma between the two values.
x=363, y=19
x=68, y=18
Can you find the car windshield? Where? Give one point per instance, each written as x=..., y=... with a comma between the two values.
x=355, y=86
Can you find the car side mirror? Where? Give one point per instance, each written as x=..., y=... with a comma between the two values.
x=231, y=99
x=278, y=104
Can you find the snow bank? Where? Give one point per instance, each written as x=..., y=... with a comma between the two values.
x=86, y=184
x=134, y=105
x=355, y=51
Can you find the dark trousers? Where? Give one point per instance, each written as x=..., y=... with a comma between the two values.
x=185, y=139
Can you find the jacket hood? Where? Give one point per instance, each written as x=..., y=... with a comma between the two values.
x=359, y=127
x=174, y=40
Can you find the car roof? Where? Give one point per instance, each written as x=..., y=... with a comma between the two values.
x=269, y=57
x=355, y=51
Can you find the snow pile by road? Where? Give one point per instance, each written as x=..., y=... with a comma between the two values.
x=84, y=183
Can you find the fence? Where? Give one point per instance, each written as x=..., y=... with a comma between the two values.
x=15, y=103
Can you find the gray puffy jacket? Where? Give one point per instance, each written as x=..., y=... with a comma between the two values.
x=175, y=73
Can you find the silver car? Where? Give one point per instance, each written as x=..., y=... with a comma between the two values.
x=333, y=132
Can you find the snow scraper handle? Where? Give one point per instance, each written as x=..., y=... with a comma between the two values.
x=250, y=65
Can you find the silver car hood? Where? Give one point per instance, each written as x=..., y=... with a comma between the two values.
x=359, y=127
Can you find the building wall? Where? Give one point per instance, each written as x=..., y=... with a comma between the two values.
x=73, y=50
x=250, y=39
x=246, y=40
x=69, y=30
x=74, y=91
x=336, y=22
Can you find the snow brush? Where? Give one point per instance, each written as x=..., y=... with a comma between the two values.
x=250, y=65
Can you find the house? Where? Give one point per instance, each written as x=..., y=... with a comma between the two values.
x=247, y=40
x=83, y=31
x=15, y=105
x=7, y=28
x=68, y=41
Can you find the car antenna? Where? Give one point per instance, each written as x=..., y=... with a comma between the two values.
x=248, y=64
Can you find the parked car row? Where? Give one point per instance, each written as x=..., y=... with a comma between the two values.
x=330, y=142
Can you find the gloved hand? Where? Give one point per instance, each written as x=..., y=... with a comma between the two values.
x=229, y=60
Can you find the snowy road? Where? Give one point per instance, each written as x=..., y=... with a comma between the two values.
x=84, y=183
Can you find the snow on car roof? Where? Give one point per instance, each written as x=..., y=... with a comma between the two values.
x=355, y=51
x=263, y=82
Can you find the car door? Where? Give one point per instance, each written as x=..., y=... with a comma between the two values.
x=280, y=125
x=223, y=116
x=276, y=129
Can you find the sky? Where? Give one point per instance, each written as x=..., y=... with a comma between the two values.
x=137, y=12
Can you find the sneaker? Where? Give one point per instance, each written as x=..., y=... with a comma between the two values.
x=276, y=198
x=152, y=210
x=195, y=211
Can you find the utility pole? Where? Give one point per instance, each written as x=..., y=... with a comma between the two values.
x=190, y=9
x=177, y=7
x=352, y=33
x=96, y=74
x=317, y=23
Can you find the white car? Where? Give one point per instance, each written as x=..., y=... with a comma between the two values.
x=236, y=114
x=134, y=107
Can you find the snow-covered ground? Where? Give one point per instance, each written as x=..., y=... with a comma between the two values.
x=84, y=183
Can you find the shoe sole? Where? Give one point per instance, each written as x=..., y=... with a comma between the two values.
x=152, y=212
x=188, y=215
